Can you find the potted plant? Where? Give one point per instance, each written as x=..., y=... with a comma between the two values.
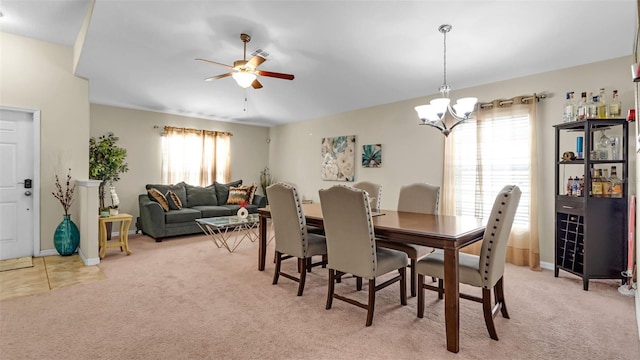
x=266, y=180
x=106, y=163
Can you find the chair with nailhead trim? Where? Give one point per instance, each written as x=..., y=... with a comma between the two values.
x=291, y=235
x=485, y=271
x=351, y=246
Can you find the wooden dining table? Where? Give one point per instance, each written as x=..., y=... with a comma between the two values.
x=449, y=233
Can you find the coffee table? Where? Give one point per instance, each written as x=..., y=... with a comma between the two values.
x=221, y=228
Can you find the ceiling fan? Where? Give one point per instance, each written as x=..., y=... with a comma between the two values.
x=245, y=73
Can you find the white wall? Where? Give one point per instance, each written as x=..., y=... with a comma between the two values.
x=135, y=128
x=414, y=153
x=38, y=75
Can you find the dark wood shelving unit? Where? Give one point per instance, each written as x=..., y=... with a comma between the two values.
x=590, y=232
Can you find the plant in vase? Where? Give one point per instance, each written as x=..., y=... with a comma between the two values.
x=266, y=180
x=67, y=236
x=106, y=162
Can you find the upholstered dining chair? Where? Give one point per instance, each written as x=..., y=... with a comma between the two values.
x=417, y=198
x=291, y=236
x=374, y=190
x=351, y=246
x=485, y=271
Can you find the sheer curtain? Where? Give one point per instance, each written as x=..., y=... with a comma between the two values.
x=498, y=148
x=197, y=157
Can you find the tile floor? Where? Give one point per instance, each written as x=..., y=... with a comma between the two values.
x=47, y=273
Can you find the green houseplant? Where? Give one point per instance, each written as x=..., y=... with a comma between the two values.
x=266, y=180
x=106, y=162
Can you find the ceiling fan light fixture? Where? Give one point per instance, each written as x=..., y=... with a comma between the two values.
x=244, y=79
x=434, y=113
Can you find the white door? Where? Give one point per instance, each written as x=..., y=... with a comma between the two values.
x=16, y=195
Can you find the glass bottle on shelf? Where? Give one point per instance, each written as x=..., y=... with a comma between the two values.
x=615, y=106
x=570, y=186
x=603, y=146
x=615, y=183
x=569, y=112
x=583, y=107
x=603, y=109
x=581, y=186
x=596, y=184
x=615, y=147
x=606, y=184
x=593, y=107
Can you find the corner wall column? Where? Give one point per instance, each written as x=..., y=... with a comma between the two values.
x=88, y=200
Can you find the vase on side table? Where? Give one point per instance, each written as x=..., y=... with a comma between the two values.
x=66, y=237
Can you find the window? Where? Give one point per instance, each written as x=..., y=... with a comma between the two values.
x=197, y=157
x=488, y=156
x=497, y=148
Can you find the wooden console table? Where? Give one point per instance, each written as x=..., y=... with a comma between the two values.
x=123, y=241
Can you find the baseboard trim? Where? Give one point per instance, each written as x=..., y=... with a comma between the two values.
x=89, y=262
x=546, y=265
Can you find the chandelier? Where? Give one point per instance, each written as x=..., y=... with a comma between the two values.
x=434, y=113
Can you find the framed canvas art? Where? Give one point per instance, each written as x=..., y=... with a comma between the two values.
x=338, y=158
x=372, y=155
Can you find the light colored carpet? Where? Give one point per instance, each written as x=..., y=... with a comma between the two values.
x=14, y=264
x=186, y=299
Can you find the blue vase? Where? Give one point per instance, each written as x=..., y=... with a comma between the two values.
x=67, y=237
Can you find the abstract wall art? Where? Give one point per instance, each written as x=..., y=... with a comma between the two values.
x=372, y=155
x=338, y=158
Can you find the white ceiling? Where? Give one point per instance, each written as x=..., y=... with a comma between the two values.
x=345, y=55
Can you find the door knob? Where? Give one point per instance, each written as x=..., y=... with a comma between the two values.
x=27, y=193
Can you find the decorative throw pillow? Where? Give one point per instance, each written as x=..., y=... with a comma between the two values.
x=238, y=195
x=222, y=190
x=173, y=200
x=251, y=193
x=157, y=196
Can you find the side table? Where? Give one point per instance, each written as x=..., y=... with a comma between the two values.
x=123, y=241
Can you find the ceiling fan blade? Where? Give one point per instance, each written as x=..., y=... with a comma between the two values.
x=275, y=75
x=256, y=84
x=215, y=63
x=255, y=62
x=217, y=77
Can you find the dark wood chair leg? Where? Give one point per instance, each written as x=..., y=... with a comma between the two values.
x=303, y=276
x=441, y=289
x=420, y=296
x=372, y=301
x=324, y=261
x=499, y=294
x=403, y=285
x=414, y=279
x=488, y=314
x=276, y=273
x=332, y=278
x=358, y=283
x=309, y=262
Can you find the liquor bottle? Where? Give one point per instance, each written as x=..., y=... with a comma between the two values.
x=603, y=109
x=575, y=185
x=593, y=107
x=606, y=184
x=615, y=183
x=570, y=186
x=615, y=106
x=583, y=108
x=569, y=108
x=581, y=186
x=596, y=184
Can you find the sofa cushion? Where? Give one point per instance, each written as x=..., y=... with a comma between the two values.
x=213, y=211
x=182, y=215
x=222, y=190
x=178, y=188
x=198, y=195
x=238, y=195
x=174, y=200
x=158, y=197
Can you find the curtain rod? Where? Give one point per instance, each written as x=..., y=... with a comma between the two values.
x=524, y=99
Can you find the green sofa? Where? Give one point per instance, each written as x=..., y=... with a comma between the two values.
x=197, y=202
